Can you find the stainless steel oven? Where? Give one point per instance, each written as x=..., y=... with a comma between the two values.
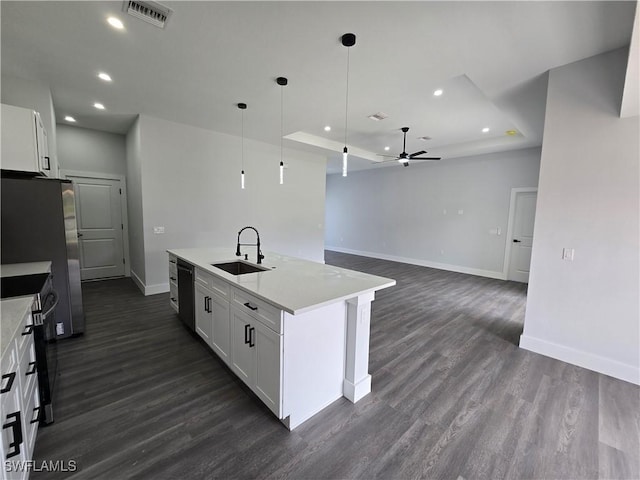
x=40, y=285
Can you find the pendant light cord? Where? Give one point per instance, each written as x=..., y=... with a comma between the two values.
x=242, y=144
x=346, y=103
x=281, y=119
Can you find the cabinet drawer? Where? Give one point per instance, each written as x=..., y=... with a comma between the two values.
x=173, y=292
x=259, y=309
x=212, y=283
x=10, y=376
x=25, y=335
x=173, y=266
x=31, y=419
x=28, y=370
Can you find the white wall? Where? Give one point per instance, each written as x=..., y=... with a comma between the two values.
x=586, y=312
x=22, y=92
x=134, y=204
x=86, y=150
x=190, y=180
x=398, y=213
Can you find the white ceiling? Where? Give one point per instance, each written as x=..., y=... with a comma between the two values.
x=489, y=58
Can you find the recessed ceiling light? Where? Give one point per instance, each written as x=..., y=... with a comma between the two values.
x=386, y=149
x=327, y=128
x=69, y=118
x=485, y=129
x=99, y=106
x=104, y=76
x=511, y=133
x=438, y=92
x=115, y=23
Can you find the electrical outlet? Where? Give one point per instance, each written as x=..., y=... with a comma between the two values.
x=567, y=254
x=59, y=328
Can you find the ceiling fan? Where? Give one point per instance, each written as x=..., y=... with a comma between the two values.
x=404, y=157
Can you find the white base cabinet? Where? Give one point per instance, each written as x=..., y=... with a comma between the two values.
x=212, y=313
x=19, y=402
x=296, y=364
x=256, y=357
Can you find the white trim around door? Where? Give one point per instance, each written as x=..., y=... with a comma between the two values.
x=510, y=226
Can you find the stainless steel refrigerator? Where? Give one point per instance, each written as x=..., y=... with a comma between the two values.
x=39, y=224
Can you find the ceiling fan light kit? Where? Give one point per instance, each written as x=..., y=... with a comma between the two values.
x=404, y=158
x=348, y=40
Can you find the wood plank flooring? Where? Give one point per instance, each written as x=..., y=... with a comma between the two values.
x=453, y=396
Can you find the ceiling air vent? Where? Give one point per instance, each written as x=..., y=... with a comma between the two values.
x=424, y=139
x=150, y=12
x=378, y=116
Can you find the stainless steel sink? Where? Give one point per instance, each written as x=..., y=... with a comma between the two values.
x=238, y=267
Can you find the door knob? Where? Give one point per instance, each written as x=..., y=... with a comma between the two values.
x=515, y=240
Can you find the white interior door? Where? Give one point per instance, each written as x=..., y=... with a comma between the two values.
x=522, y=236
x=100, y=228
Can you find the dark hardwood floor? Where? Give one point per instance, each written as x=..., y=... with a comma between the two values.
x=453, y=396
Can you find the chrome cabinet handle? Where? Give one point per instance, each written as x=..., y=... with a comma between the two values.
x=28, y=330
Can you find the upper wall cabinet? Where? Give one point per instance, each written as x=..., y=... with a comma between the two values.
x=25, y=145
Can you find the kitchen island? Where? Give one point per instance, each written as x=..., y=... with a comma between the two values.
x=297, y=332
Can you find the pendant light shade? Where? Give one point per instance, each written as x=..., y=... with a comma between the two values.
x=348, y=40
x=242, y=107
x=283, y=82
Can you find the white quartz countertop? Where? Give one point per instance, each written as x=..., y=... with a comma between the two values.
x=12, y=311
x=292, y=284
x=31, y=268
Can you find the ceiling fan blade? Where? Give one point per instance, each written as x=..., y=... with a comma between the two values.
x=383, y=155
x=387, y=161
x=417, y=153
x=425, y=158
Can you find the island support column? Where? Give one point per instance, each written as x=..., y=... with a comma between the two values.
x=357, y=381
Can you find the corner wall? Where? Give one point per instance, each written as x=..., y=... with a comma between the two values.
x=586, y=312
x=412, y=214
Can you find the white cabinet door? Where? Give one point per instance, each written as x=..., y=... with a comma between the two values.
x=243, y=356
x=220, y=327
x=44, y=160
x=204, y=322
x=267, y=384
x=256, y=352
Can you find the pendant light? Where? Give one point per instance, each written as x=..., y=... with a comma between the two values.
x=282, y=81
x=348, y=40
x=242, y=107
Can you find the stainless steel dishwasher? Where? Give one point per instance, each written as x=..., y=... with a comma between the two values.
x=186, y=299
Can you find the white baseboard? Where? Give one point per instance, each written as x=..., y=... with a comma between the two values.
x=157, y=288
x=422, y=263
x=137, y=281
x=607, y=366
x=149, y=289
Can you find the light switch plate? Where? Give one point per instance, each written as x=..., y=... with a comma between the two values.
x=158, y=230
x=567, y=254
